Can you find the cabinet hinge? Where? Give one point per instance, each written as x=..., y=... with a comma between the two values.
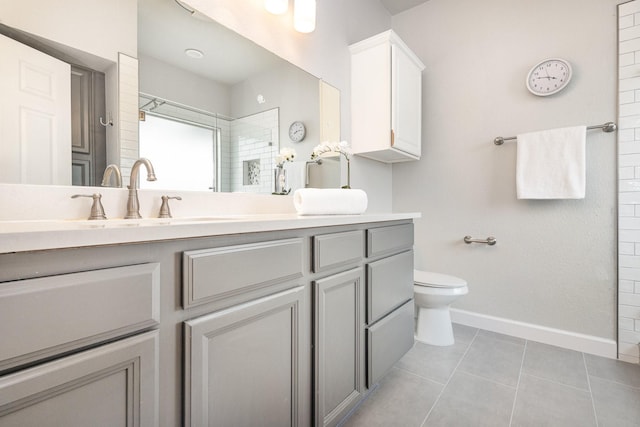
x=393, y=137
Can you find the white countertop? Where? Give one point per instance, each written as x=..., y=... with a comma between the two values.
x=31, y=235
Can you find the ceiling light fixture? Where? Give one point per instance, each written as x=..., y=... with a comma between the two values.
x=277, y=7
x=194, y=53
x=304, y=15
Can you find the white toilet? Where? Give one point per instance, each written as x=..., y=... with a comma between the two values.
x=433, y=293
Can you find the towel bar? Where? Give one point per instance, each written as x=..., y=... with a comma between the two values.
x=607, y=127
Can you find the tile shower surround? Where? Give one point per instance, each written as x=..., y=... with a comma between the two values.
x=489, y=379
x=253, y=137
x=629, y=182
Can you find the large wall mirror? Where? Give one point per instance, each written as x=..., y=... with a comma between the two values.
x=214, y=109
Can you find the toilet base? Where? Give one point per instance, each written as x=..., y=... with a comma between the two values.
x=433, y=326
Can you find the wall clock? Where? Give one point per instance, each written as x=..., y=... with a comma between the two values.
x=297, y=131
x=549, y=76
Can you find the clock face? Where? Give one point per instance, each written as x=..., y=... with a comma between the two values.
x=549, y=77
x=297, y=131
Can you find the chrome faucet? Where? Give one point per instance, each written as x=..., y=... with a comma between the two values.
x=133, y=205
x=107, y=175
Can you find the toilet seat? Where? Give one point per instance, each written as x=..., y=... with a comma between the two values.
x=436, y=280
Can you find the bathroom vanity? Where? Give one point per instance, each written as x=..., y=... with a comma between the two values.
x=268, y=320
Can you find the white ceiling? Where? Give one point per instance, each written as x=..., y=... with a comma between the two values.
x=396, y=6
x=166, y=29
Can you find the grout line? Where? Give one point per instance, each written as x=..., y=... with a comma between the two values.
x=449, y=379
x=419, y=376
x=593, y=403
x=549, y=380
x=515, y=397
x=471, y=374
x=618, y=383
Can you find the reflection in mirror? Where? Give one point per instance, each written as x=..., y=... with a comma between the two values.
x=234, y=80
x=206, y=76
x=50, y=95
x=198, y=150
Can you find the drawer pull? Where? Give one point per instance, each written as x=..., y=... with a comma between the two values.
x=489, y=240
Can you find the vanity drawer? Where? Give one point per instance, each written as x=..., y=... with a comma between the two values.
x=387, y=341
x=48, y=316
x=387, y=240
x=389, y=284
x=233, y=274
x=337, y=249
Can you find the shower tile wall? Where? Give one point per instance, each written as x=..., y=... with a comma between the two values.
x=254, y=137
x=225, y=155
x=629, y=182
x=127, y=102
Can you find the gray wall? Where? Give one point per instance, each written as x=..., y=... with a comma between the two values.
x=176, y=84
x=554, y=264
x=294, y=92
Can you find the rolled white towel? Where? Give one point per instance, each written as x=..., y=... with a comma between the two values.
x=329, y=201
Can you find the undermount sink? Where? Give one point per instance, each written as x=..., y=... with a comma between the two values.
x=120, y=222
x=199, y=219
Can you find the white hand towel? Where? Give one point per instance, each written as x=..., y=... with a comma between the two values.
x=329, y=201
x=551, y=164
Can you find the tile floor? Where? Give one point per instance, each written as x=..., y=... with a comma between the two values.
x=489, y=379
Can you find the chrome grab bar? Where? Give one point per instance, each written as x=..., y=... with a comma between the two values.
x=489, y=240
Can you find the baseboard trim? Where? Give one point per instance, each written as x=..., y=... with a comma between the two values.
x=529, y=331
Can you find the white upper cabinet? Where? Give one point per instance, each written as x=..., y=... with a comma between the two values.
x=386, y=99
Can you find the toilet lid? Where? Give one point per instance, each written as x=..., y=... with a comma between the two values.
x=437, y=280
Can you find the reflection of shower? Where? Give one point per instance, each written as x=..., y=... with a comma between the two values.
x=156, y=104
x=153, y=104
x=176, y=111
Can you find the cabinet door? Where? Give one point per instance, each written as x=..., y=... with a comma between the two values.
x=112, y=385
x=406, y=102
x=339, y=343
x=244, y=367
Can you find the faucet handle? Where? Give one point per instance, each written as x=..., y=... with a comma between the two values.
x=97, y=210
x=165, y=212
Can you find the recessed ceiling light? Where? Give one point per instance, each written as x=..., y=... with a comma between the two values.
x=194, y=53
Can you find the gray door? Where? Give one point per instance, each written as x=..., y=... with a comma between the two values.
x=88, y=136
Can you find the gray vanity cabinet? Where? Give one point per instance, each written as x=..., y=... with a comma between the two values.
x=270, y=328
x=246, y=361
x=57, y=371
x=339, y=318
x=390, y=308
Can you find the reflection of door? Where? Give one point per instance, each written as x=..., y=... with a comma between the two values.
x=88, y=137
x=35, y=115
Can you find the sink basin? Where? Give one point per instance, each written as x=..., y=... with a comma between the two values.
x=142, y=222
x=200, y=219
